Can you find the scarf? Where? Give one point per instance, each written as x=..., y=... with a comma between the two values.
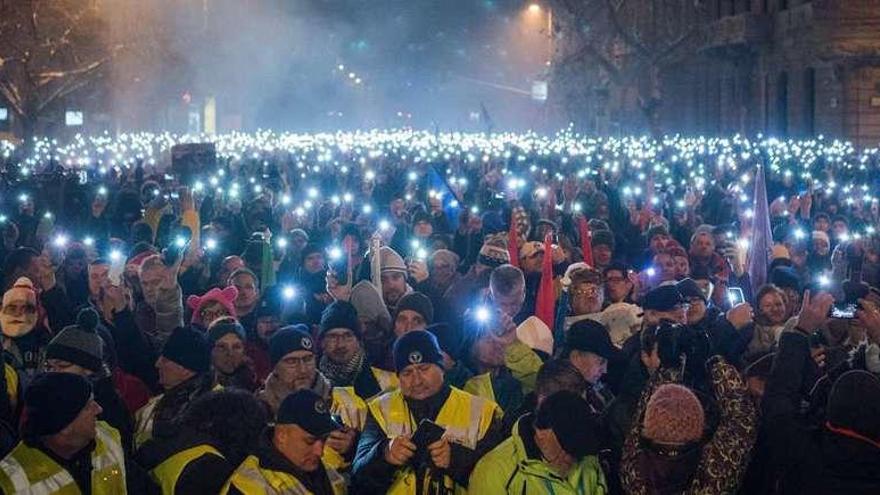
x=342, y=374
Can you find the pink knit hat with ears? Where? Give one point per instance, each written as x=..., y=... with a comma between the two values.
x=674, y=416
x=225, y=297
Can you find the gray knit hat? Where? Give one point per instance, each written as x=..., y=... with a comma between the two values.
x=79, y=344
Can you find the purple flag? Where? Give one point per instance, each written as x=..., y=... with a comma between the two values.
x=762, y=237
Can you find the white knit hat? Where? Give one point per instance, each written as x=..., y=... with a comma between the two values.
x=22, y=291
x=391, y=261
x=536, y=334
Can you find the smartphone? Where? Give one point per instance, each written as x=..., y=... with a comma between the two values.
x=177, y=247
x=427, y=433
x=117, y=268
x=735, y=296
x=844, y=311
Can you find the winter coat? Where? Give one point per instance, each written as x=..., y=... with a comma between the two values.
x=807, y=458
x=713, y=467
x=516, y=466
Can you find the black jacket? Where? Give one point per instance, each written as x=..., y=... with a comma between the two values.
x=807, y=458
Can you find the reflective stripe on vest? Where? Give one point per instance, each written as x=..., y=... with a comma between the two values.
x=24, y=463
x=168, y=472
x=143, y=421
x=351, y=408
x=465, y=416
x=387, y=380
x=250, y=478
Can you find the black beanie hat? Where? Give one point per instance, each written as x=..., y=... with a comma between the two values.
x=418, y=302
x=569, y=416
x=79, y=344
x=340, y=314
x=188, y=348
x=854, y=404
x=224, y=326
x=416, y=347
x=53, y=401
x=289, y=339
x=449, y=338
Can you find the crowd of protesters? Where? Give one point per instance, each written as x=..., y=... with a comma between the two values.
x=409, y=321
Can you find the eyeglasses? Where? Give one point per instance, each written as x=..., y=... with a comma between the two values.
x=295, y=362
x=339, y=337
x=615, y=279
x=586, y=291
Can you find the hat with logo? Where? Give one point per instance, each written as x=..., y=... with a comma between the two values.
x=289, y=339
x=309, y=411
x=416, y=347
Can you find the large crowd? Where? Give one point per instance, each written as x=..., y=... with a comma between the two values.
x=426, y=313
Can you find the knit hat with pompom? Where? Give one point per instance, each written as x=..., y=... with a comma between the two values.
x=79, y=344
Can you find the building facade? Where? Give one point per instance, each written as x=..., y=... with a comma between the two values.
x=785, y=68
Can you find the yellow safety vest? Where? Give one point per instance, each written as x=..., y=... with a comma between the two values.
x=465, y=417
x=353, y=411
x=28, y=470
x=143, y=421
x=253, y=479
x=481, y=386
x=168, y=471
x=387, y=380
x=12, y=385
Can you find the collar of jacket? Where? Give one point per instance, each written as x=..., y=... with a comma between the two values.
x=530, y=460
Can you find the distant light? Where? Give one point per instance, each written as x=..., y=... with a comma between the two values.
x=102, y=191
x=179, y=241
x=367, y=209
x=211, y=244
x=115, y=255
x=799, y=234
x=651, y=272
x=384, y=225
x=313, y=193
x=824, y=281
x=89, y=241
x=743, y=243
x=23, y=197
x=534, y=9
x=282, y=243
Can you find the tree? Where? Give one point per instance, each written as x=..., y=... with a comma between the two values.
x=49, y=50
x=629, y=45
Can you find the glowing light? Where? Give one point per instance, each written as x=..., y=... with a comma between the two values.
x=289, y=292
x=211, y=244
x=115, y=255
x=483, y=314
x=281, y=243
x=60, y=241
x=335, y=253
x=89, y=241
x=534, y=8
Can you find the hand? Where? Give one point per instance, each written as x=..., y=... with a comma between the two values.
x=399, y=451
x=818, y=355
x=740, y=315
x=441, y=453
x=418, y=270
x=342, y=440
x=651, y=360
x=169, y=276
x=814, y=311
x=507, y=328
x=335, y=289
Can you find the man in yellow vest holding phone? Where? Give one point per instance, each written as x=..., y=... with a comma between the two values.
x=426, y=436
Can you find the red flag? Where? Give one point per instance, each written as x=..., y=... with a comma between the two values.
x=586, y=240
x=545, y=307
x=513, y=241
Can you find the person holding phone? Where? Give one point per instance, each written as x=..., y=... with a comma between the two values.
x=388, y=460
